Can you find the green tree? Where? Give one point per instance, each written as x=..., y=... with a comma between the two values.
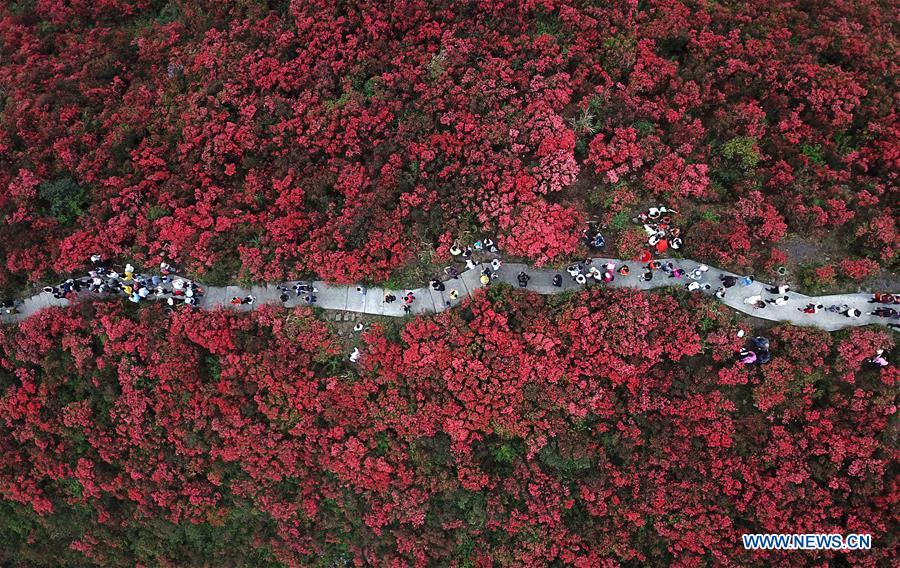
x=65, y=199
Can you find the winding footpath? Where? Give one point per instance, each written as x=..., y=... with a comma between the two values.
x=427, y=300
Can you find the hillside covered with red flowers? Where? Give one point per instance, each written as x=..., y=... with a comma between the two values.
x=515, y=431
x=351, y=139
x=358, y=141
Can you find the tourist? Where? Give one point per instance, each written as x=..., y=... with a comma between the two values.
x=698, y=272
x=496, y=264
x=720, y=293
x=878, y=359
x=557, y=281
x=523, y=279
x=747, y=357
x=883, y=312
x=728, y=280
x=389, y=298
x=811, y=308
x=454, y=294
x=624, y=270
x=779, y=301
x=755, y=301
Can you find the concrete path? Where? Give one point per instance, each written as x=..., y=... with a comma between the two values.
x=371, y=300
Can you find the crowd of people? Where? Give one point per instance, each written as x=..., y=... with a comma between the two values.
x=104, y=280
x=301, y=289
x=662, y=234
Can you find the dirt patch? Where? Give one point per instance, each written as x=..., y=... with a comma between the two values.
x=807, y=250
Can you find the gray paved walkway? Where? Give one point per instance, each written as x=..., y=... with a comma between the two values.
x=347, y=298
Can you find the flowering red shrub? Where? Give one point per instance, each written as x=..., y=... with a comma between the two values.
x=859, y=269
x=272, y=139
x=825, y=274
x=620, y=156
x=612, y=428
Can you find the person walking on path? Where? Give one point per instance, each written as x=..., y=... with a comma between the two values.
x=811, y=308
x=557, y=281
x=437, y=285
x=728, y=280
x=523, y=279
x=454, y=294
x=779, y=301
x=755, y=301
x=883, y=312
x=389, y=298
